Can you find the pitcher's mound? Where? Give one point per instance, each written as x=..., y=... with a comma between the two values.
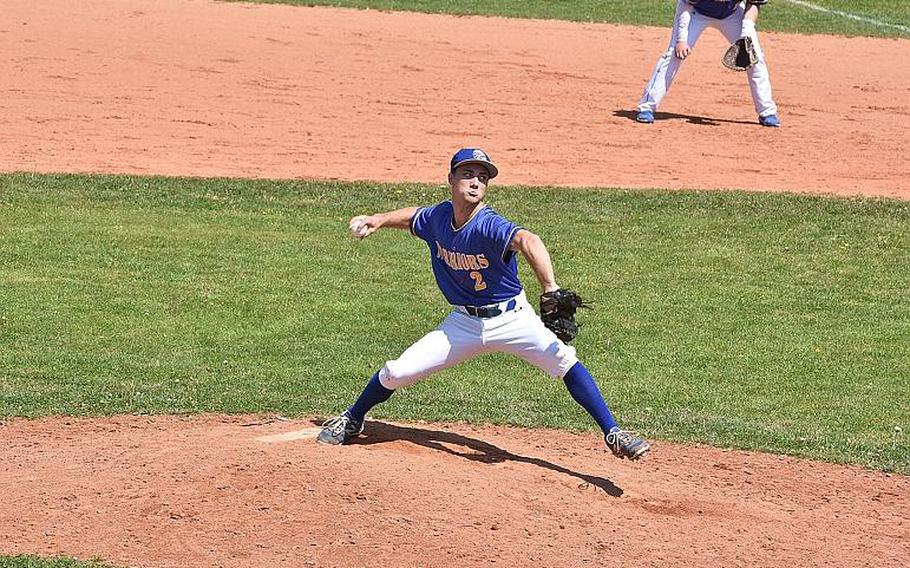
x=256, y=491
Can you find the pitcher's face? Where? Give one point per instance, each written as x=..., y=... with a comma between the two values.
x=469, y=183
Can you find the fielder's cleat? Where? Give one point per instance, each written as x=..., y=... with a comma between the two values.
x=624, y=444
x=645, y=116
x=771, y=121
x=339, y=430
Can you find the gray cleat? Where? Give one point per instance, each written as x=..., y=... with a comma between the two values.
x=339, y=430
x=624, y=444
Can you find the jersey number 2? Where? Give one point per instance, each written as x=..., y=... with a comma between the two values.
x=479, y=284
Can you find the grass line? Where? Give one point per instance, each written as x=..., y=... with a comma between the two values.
x=848, y=15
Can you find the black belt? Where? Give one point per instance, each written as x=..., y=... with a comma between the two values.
x=489, y=312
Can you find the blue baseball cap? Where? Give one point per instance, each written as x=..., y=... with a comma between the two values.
x=473, y=156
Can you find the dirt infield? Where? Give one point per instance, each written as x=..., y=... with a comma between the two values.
x=204, y=89
x=248, y=491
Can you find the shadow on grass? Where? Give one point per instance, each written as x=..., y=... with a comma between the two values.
x=474, y=450
x=691, y=119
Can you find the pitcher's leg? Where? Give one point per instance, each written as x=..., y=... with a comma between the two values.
x=349, y=424
x=449, y=344
x=527, y=338
x=373, y=394
x=455, y=340
x=584, y=390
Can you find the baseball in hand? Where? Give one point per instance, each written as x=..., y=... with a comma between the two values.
x=359, y=229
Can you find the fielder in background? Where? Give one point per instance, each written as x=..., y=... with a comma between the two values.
x=735, y=19
x=473, y=253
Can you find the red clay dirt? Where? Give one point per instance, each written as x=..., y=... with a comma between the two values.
x=202, y=89
x=249, y=491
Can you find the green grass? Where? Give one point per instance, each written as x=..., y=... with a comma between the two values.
x=779, y=15
x=29, y=561
x=773, y=322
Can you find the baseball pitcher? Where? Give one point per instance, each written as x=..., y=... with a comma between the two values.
x=473, y=251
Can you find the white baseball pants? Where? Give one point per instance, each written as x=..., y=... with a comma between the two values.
x=731, y=28
x=461, y=337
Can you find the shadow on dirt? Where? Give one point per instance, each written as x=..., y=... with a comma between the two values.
x=691, y=119
x=474, y=450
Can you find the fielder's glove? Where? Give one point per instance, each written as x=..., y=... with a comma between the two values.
x=741, y=56
x=557, y=311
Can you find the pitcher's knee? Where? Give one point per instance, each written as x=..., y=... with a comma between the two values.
x=558, y=359
x=394, y=375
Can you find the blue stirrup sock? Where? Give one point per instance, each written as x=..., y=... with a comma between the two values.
x=584, y=390
x=372, y=394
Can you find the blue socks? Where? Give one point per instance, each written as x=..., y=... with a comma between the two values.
x=372, y=394
x=584, y=390
x=578, y=380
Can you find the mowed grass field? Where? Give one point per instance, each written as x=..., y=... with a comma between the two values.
x=772, y=322
x=889, y=18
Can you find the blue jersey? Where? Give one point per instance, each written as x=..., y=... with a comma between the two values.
x=719, y=9
x=473, y=265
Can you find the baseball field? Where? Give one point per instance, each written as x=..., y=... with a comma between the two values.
x=181, y=305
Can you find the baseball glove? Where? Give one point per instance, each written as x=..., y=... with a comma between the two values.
x=557, y=311
x=741, y=56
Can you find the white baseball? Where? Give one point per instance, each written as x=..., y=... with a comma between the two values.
x=359, y=229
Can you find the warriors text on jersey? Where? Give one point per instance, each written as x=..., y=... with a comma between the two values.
x=473, y=265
